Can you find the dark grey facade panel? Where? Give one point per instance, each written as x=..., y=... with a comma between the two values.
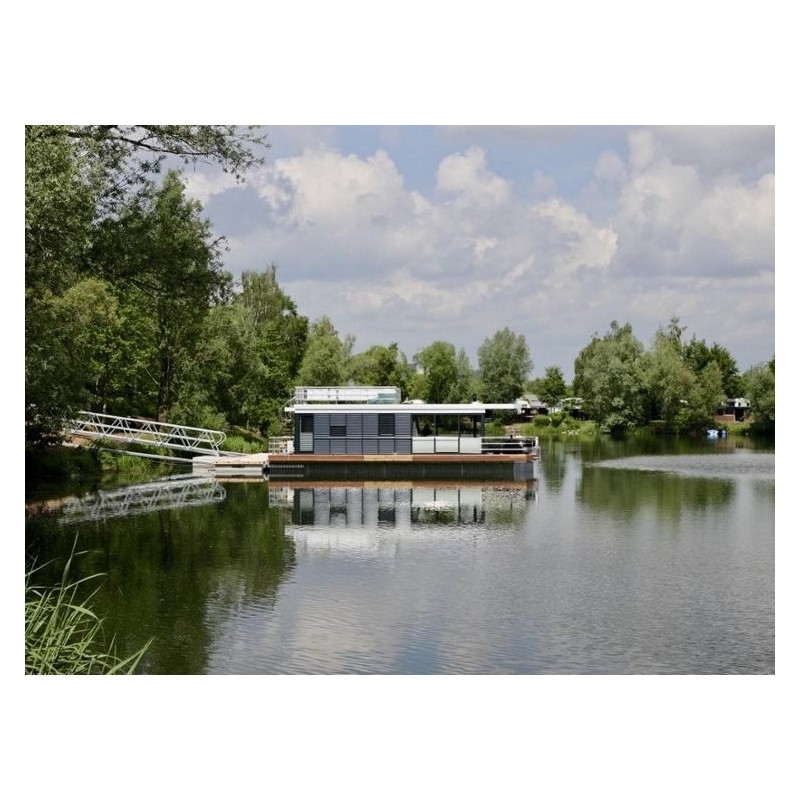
x=402, y=425
x=386, y=446
x=322, y=446
x=354, y=446
x=348, y=433
x=370, y=446
x=338, y=447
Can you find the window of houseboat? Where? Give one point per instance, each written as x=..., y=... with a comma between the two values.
x=447, y=425
x=385, y=425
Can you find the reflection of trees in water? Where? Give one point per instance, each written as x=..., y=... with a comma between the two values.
x=670, y=495
x=174, y=574
x=553, y=462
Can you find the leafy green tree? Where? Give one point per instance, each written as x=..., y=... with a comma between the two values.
x=227, y=374
x=60, y=203
x=380, y=365
x=80, y=182
x=59, y=210
x=55, y=385
x=281, y=334
x=759, y=384
x=326, y=356
x=705, y=397
x=163, y=250
x=440, y=371
x=678, y=393
x=504, y=362
x=698, y=355
x=667, y=379
x=123, y=159
x=552, y=387
x=608, y=376
x=465, y=388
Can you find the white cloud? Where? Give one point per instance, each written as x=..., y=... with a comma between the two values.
x=324, y=188
x=652, y=231
x=465, y=176
x=675, y=217
x=203, y=185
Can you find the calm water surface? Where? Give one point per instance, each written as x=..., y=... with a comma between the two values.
x=616, y=559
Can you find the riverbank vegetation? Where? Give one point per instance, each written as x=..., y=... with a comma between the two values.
x=129, y=310
x=63, y=634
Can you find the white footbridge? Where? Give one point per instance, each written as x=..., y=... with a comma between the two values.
x=205, y=443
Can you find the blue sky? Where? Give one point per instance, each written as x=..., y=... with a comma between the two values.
x=411, y=234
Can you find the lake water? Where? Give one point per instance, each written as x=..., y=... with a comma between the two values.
x=618, y=558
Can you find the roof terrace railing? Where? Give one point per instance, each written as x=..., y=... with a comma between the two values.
x=346, y=394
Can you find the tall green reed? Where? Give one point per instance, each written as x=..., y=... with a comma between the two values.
x=63, y=635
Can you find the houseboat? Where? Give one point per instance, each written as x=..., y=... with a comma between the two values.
x=368, y=433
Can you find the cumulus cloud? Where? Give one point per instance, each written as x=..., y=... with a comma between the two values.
x=660, y=221
x=465, y=176
x=677, y=217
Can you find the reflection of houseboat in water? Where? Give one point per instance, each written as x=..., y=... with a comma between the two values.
x=364, y=433
x=379, y=506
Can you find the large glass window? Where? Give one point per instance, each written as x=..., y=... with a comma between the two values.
x=423, y=425
x=447, y=425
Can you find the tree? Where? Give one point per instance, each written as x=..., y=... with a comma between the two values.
x=122, y=159
x=504, y=363
x=464, y=390
x=326, y=356
x=80, y=182
x=609, y=379
x=698, y=355
x=225, y=385
x=381, y=366
x=440, y=371
x=759, y=382
x=60, y=203
x=281, y=334
x=163, y=250
x=552, y=388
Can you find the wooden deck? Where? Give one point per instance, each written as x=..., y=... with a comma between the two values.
x=414, y=458
x=282, y=466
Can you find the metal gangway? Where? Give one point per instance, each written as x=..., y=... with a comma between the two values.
x=147, y=432
x=142, y=499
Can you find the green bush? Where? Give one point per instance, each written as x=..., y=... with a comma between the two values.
x=495, y=428
x=238, y=444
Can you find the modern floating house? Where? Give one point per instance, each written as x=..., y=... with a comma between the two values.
x=366, y=432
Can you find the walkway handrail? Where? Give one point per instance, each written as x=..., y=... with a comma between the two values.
x=511, y=444
x=147, y=432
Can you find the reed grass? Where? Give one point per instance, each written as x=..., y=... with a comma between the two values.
x=63, y=635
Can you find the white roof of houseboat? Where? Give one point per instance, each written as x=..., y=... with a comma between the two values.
x=399, y=408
